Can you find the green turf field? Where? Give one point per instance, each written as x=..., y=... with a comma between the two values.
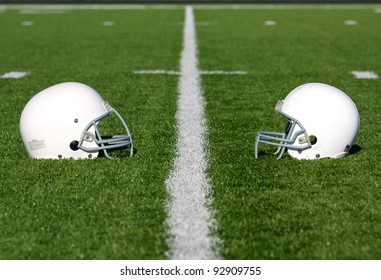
x=265, y=208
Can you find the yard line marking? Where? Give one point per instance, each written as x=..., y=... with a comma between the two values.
x=54, y=7
x=14, y=75
x=277, y=6
x=108, y=23
x=51, y=8
x=36, y=11
x=365, y=74
x=190, y=220
x=173, y=72
x=27, y=23
x=157, y=72
x=350, y=22
x=270, y=23
x=220, y=72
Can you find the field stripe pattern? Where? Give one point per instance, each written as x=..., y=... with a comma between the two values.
x=189, y=217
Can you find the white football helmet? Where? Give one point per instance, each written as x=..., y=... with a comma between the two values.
x=323, y=122
x=62, y=122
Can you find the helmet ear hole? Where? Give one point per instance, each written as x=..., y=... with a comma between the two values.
x=74, y=145
x=313, y=139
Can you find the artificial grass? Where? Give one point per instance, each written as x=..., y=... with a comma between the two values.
x=265, y=208
x=89, y=209
x=290, y=209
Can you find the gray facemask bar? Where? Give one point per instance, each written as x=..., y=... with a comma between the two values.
x=283, y=140
x=115, y=142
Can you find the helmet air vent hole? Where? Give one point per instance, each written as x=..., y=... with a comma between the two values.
x=313, y=139
x=74, y=145
x=76, y=120
x=59, y=156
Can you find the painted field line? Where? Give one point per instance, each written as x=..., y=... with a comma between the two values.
x=190, y=219
x=365, y=75
x=220, y=72
x=350, y=22
x=36, y=12
x=14, y=75
x=278, y=6
x=108, y=23
x=67, y=7
x=157, y=72
x=27, y=23
x=270, y=23
x=172, y=72
x=52, y=7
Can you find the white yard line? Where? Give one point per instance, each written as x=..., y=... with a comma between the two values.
x=350, y=22
x=190, y=219
x=270, y=22
x=27, y=23
x=365, y=75
x=205, y=72
x=157, y=72
x=14, y=75
x=51, y=8
x=221, y=72
x=108, y=23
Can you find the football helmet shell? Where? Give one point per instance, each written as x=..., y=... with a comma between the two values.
x=322, y=122
x=62, y=122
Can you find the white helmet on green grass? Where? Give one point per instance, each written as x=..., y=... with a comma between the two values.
x=62, y=122
x=322, y=122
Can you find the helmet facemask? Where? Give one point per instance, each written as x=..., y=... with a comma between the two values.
x=294, y=137
x=104, y=143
